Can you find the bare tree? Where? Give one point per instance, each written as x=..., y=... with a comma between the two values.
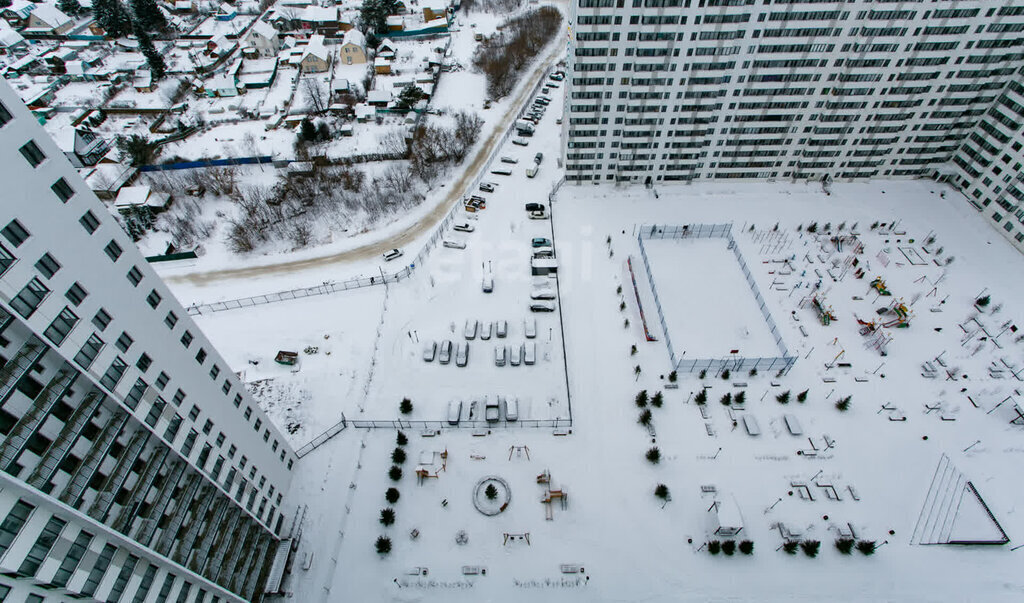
x=316, y=94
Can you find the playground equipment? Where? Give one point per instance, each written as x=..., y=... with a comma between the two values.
x=432, y=463
x=902, y=313
x=825, y=313
x=551, y=495
x=879, y=285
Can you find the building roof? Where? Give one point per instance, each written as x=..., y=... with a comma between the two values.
x=354, y=36
x=49, y=14
x=264, y=30
x=378, y=96
x=319, y=14
x=9, y=37
x=315, y=48
x=133, y=196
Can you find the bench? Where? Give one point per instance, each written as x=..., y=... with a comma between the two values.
x=750, y=424
x=570, y=568
x=793, y=425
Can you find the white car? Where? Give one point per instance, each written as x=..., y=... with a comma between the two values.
x=538, y=215
x=492, y=411
x=502, y=329
x=464, y=227
x=454, y=411
x=511, y=409
x=451, y=244
x=500, y=353
x=488, y=283
x=520, y=141
x=507, y=159
x=542, y=305
x=392, y=255
x=470, y=331
x=542, y=293
x=429, y=351
x=445, y=355
x=530, y=328
x=530, y=353
x=485, y=330
x=516, y=355
x=487, y=187
x=462, y=353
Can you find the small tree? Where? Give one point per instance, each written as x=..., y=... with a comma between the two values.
x=641, y=398
x=983, y=301
x=672, y=377
x=753, y=372
x=383, y=545
x=645, y=417
x=657, y=400
x=661, y=491
x=69, y=7
x=843, y=404
x=622, y=306
x=729, y=547
x=632, y=350
x=845, y=545
x=701, y=397
x=405, y=406
x=395, y=473
x=783, y=398
x=387, y=516
x=398, y=456
x=725, y=375
x=866, y=547
x=148, y=16
x=714, y=547
x=408, y=97
x=747, y=547
x=810, y=547
x=790, y=546
x=726, y=399
x=637, y=370
x=136, y=148
x=625, y=324
x=392, y=495
x=740, y=397
x=401, y=439
x=653, y=455
x=703, y=373
x=307, y=130
x=491, y=492
x=802, y=396
x=619, y=289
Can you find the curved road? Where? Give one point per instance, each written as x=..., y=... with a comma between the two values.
x=409, y=235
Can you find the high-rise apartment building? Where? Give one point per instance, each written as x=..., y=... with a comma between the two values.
x=684, y=90
x=134, y=466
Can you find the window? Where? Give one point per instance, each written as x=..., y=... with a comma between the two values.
x=72, y=559
x=135, y=276
x=204, y=455
x=162, y=379
x=170, y=320
x=232, y=450
x=61, y=326
x=7, y=259
x=76, y=294
x=186, y=339
x=266, y=435
x=136, y=393
x=165, y=590
x=122, y=578
x=189, y=443
x=113, y=251
x=242, y=462
x=13, y=523
x=226, y=388
x=214, y=371
x=5, y=115
x=31, y=152
x=256, y=426
x=145, y=584
x=144, y=362
x=207, y=427
x=172, y=427
x=89, y=222
x=124, y=342
x=101, y=320
x=42, y=546
x=99, y=569
x=85, y=356
x=274, y=447
x=153, y=299
x=193, y=414
x=47, y=265
x=179, y=397
x=247, y=413
x=63, y=190
x=114, y=373
x=186, y=588
x=26, y=302
x=289, y=464
x=15, y=233
x=201, y=356
x=155, y=411
x=238, y=400
x=220, y=439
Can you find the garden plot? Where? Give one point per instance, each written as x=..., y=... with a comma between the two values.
x=708, y=307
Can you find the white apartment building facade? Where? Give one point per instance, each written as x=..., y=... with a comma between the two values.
x=685, y=90
x=134, y=465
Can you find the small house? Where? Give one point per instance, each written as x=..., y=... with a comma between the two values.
x=10, y=40
x=364, y=112
x=183, y=6
x=378, y=98
x=82, y=147
x=46, y=18
x=435, y=10
x=18, y=12
x=143, y=81
x=727, y=517
x=226, y=12
x=106, y=179
x=353, y=47
x=263, y=37
x=396, y=23
x=257, y=73
x=381, y=66
x=136, y=199
x=319, y=19
x=315, y=57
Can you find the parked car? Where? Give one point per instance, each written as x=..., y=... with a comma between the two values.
x=454, y=411
x=478, y=199
x=531, y=171
x=464, y=227
x=445, y=355
x=492, y=411
x=462, y=353
x=540, y=242
x=538, y=215
x=530, y=328
x=471, y=326
x=520, y=141
x=487, y=284
x=507, y=159
x=538, y=158
x=486, y=329
x=543, y=252
x=557, y=76
x=534, y=207
x=542, y=293
x=454, y=244
x=429, y=351
x=500, y=352
x=515, y=356
x=530, y=353
x=511, y=409
x=553, y=85
x=501, y=171
x=393, y=254
x=502, y=329
x=542, y=305
x=487, y=187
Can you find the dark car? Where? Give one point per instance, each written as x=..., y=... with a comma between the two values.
x=534, y=207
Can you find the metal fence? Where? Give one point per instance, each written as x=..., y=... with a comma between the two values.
x=322, y=438
x=783, y=363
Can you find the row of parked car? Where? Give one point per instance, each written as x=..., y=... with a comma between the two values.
x=443, y=352
x=514, y=355
x=492, y=409
x=485, y=329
